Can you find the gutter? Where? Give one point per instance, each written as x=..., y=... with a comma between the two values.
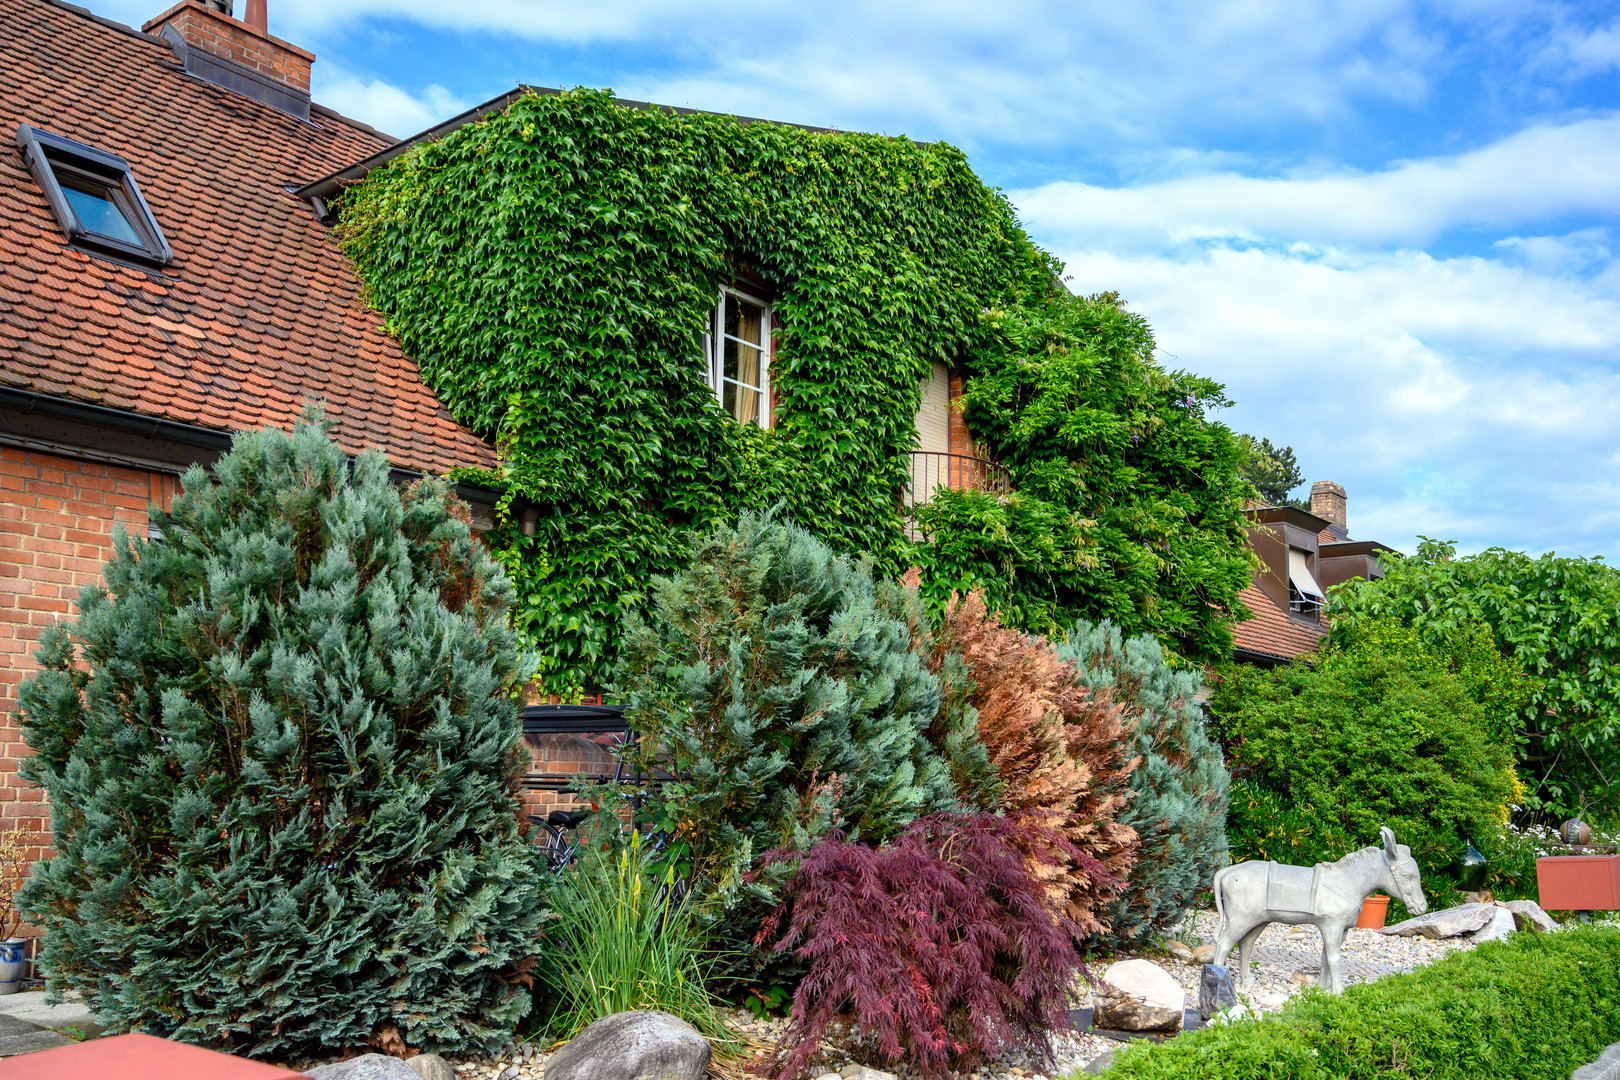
x=211, y=441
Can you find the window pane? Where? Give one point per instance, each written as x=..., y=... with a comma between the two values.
x=741, y=402
x=97, y=211
x=743, y=363
x=744, y=320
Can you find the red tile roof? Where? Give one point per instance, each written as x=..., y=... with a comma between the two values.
x=259, y=309
x=1271, y=632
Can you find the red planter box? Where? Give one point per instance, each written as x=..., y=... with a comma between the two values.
x=137, y=1057
x=1579, y=882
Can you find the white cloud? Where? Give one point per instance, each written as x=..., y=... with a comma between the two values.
x=1464, y=398
x=1542, y=173
x=384, y=106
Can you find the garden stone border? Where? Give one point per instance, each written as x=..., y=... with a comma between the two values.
x=1606, y=1067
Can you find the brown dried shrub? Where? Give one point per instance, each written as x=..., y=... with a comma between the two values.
x=1059, y=750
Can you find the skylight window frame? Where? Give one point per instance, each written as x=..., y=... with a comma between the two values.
x=47, y=154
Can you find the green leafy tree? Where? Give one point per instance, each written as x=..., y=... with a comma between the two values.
x=282, y=755
x=1180, y=802
x=777, y=681
x=1129, y=500
x=1273, y=471
x=1379, y=732
x=1558, y=619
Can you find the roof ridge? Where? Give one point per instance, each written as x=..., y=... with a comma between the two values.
x=110, y=23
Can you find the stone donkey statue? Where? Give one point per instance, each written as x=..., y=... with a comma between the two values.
x=1251, y=894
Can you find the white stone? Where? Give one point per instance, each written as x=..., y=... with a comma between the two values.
x=1529, y=916
x=1139, y=995
x=1501, y=925
x=431, y=1067
x=365, y=1067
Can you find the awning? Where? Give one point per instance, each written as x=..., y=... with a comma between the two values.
x=1299, y=575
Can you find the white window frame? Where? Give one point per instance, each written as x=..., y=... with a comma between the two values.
x=714, y=351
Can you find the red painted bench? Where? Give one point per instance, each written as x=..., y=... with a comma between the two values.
x=136, y=1057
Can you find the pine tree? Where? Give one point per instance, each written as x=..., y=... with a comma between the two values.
x=777, y=681
x=282, y=755
x=1179, y=812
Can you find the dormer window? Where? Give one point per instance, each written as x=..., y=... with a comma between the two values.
x=1305, y=596
x=94, y=197
x=738, y=348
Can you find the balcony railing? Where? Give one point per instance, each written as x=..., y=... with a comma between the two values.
x=931, y=471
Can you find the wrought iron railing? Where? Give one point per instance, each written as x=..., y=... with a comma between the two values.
x=931, y=471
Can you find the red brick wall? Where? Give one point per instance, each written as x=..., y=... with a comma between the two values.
x=961, y=440
x=56, y=522
x=238, y=42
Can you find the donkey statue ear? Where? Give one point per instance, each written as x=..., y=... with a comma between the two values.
x=1390, y=847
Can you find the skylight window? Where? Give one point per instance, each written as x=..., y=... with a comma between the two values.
x=94, y=197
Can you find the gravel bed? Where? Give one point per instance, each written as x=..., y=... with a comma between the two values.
x=1285, y=960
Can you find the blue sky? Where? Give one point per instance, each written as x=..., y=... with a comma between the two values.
x=1392, y=229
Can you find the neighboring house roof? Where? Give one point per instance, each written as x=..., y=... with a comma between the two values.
x=259, y=309
x=1271, y=633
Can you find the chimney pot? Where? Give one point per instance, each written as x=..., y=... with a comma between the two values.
x=1328, y=502
x=256, y=16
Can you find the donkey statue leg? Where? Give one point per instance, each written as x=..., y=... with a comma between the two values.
x=1332, y=979
x=1245, y=944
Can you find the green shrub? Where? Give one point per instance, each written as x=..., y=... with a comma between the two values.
x=283, y=782
x=1531, y=1007
x=1557, y=618
x=1380, y=732
x=777, y=681
x=624, y=937
x=1180, y=788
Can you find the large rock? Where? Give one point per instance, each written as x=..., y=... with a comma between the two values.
x=1215, y=990
x=1450, y=923
x=432, y=1067
x=1529, y=916
x=1500, y=926
x=640, y=1045
x=365, y=1067
x=1135, y=995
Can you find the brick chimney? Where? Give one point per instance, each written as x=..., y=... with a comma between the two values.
x=237, y=54
x=1328, y=503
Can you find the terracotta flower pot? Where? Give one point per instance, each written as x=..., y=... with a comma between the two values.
x=1373, y=911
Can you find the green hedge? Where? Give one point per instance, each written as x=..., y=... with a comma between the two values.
x=1530, y=1007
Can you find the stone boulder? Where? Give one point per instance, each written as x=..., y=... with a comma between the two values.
x=1179, y=951
x=1215, y=991
x=1450, y=923
x=365, y=1067
x=1500, y=926
x=640, y=1045
x=1529, y=916
x=1204, y=954
x=432, y=1067
x=1135, y=995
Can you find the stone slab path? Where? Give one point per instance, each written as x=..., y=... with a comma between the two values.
x=28, y=1024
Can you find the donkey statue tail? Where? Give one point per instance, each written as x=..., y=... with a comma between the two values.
x=1220, y=909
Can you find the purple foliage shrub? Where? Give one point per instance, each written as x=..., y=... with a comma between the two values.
x=942, y=943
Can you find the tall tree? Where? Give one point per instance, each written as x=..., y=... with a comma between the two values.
x=1272, y=470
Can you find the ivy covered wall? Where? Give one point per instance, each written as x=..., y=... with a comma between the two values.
x=551, y=269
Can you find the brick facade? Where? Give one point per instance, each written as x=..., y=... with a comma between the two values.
x=56, y=523
x=239, y=43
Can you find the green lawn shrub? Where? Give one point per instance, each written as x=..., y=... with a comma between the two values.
x=1379, y=732
x=1179, y=791
x=282, y=753
x=1531, y=1007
